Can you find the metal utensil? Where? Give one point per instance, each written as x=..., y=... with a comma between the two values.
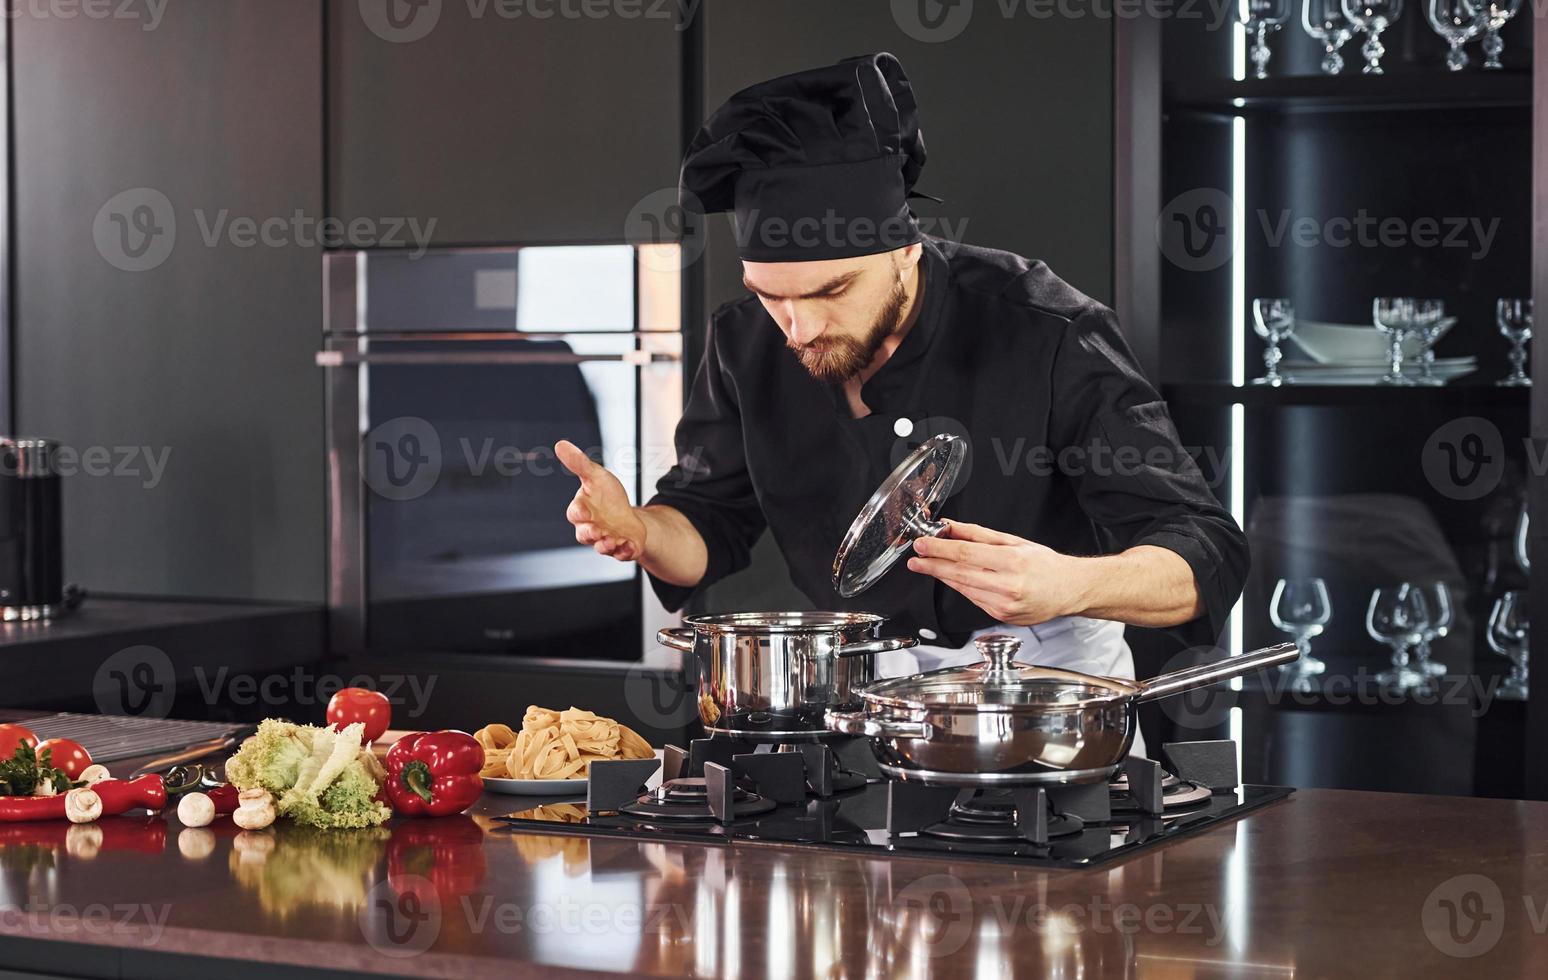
x=1005, y=723
x=198, y=750
x=897, y=513
x=770, y=676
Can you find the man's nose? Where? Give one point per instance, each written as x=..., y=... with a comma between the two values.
x=804, y=328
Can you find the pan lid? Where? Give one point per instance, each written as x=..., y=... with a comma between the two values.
x=997, y=682
x=900, y=511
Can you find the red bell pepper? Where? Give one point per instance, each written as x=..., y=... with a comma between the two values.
x=117, y=795
x=434, y=774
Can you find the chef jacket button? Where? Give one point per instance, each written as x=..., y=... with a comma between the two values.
x=927, y=634
x=903, y=427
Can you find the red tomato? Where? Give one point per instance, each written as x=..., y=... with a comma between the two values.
x=363, y=705
x=12, y=735
x=65, y=754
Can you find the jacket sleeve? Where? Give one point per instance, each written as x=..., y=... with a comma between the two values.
x=710, y=484
x=1114, y=438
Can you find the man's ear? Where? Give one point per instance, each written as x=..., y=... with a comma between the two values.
x=908, y=258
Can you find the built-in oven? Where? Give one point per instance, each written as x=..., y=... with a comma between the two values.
x=450, y=377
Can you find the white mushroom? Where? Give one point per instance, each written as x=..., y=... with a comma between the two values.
x=94, y=773
x=83, y=805
x=45, y=787
x=196, y=810
x=83, y=841
x=255, y=809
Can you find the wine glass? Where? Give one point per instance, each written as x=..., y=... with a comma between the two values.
x=1428, y=318
x=1494, y=14
x=1457, y=23
x=1437, y=599
x=1509, y=636
x=1273, y=320
x=1324, y=20
x=1514, y=317
x=1300, y=607
x=1261, y=17
x=1394, y=316
x=1373, y=17
x=1523, y=553
x=1397, y=616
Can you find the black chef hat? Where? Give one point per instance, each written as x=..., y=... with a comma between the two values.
x=815, y=165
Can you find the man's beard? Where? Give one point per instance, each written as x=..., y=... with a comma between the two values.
x=834, y=361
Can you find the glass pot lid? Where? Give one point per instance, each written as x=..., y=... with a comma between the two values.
x=998, y=681
x=897, y=513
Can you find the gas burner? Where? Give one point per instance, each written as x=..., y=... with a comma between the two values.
x=990, y=817
x=1176, y=794
x=687, y=798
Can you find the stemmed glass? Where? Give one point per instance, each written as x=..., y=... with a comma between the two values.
x=1494, y=14
x=1373, y=17
x=1523, y=553
x=1273, y=320
x=1514, y=317
x=1428, y=315
x=1260, y=17
x=1398, y=617
x=1457, y=23
x=1509, y=636
x=1437, y=598
x=1394, y=316
x=1300, y=607
x=1324, y=20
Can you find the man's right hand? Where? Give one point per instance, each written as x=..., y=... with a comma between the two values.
x=601, y=512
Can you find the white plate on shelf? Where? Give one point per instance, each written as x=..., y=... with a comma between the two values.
x=1445, y=369
x=1352, y=343
x=535, y=787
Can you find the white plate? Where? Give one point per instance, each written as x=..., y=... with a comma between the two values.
x=535, y=787
x=1328, y=374
x=1352, y=343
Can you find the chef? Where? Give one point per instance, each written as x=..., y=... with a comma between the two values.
x=1077, y=511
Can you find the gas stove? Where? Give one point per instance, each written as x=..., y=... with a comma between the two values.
x=831, y=794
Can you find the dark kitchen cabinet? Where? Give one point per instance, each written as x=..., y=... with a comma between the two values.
x=155, y=335
x=499, y=125
x=1361, y=485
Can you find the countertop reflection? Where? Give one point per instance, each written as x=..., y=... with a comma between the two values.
x=1325, y=883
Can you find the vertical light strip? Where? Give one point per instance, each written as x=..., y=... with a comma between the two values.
x=1238, y=51
x=1238, y=362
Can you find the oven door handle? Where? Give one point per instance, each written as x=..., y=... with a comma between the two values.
x=339, y=358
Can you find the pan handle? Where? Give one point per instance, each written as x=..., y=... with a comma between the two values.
x=870, y=647
x=858, y=723
x=677, y=637
x=1203, y=675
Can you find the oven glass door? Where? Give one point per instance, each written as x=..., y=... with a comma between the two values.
x=470, y=366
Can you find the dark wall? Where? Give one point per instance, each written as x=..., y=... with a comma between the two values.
x=207, y=356
x=1017, y=115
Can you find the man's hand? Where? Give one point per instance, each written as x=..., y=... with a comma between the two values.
x=601, y=512
x=1023, y=583
x=1018, y=582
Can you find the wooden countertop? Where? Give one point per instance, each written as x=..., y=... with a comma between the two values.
x=1326, y=883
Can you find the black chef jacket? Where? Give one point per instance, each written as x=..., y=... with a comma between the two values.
x=1069, y=445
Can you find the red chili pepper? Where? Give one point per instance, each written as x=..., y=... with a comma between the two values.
x=441, y=859
x=224, y=797
x=118, y=796
x=434, y=774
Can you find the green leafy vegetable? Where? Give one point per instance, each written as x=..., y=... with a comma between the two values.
x=317, y=776
x=21, y=774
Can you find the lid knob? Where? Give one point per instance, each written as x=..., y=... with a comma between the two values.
x=998, y=649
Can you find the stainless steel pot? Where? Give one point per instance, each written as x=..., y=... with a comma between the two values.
x=771, y=676
x=1004, y=723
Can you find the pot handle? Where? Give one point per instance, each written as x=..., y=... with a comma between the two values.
x=858, y=723
x=1203, y=675
x=870, y=647
x=677, y=637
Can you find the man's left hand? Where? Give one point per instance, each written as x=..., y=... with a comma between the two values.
x=1018, y=582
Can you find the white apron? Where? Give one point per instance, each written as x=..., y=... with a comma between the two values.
x=1092, y=646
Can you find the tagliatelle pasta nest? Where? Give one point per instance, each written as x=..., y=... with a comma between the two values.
x=556, y=745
